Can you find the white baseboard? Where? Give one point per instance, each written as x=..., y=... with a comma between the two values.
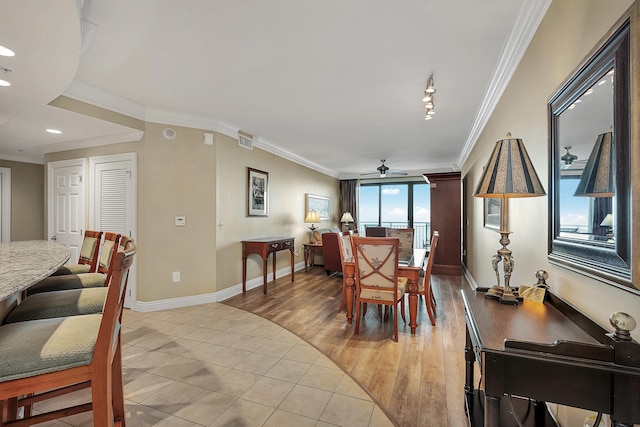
x=167, y=304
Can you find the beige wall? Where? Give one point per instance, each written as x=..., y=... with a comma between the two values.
x=27, y=202
x=569, y=31
x=288, y=184
x=208, y=185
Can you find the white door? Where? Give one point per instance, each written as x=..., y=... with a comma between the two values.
x=66, y=203
x=112, y=202
x=5, y=204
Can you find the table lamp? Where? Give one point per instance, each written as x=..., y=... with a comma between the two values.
x=509, y=173
x=346, y=220
x=311, y=218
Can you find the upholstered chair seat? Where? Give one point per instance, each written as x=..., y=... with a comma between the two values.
x=42, y=346
x=69, y=281
x=47, y=305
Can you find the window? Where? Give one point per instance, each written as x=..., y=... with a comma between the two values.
x=396, y=205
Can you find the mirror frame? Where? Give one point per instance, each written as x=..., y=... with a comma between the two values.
x=596, y=260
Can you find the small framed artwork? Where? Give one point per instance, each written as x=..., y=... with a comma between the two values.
x=321, y=204
x=258, y=192
x=492, y=213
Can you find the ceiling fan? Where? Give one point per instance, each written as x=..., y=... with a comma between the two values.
x=383, y=171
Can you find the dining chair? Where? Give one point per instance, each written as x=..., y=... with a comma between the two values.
x=405, y=235
x=376, y=276
x=83, y=280
x=65, y=303
x=424, y=288
x=43, y=359
x=346, y=255
x=88, y=258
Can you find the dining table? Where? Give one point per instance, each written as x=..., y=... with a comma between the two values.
x=410, y=269
x=25, y=263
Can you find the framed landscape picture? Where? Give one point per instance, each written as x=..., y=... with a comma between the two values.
x=258, y=192
x=321, y=204
x=492, y=213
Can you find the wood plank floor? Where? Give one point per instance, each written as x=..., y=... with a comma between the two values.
x=417, y=381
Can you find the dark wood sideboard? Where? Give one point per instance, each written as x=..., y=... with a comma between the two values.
x=546, y=352
x=264, y=247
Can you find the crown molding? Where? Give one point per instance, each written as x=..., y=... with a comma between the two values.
x=269, y=147
x=22, y=159
x=135, y=135
x=520, y=35
x=99, y=98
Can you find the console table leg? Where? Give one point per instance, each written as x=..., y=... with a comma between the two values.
x=292, y=262
x=274, y=266
x=244, y=274
x=469, y=360
x=264, y=275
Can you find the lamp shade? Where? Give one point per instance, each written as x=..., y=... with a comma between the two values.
x=597, y=179
x=346, y=217
x=607, y=221
x=312, y=216
x=509, y=172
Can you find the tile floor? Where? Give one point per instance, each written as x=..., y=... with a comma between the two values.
x=215, y=365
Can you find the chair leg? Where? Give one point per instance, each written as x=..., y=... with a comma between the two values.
x=395, y=326
x=427, y=303
x=118, y=386
x=101, y=397
x=404, y=319
x=357, y=328
x=343, y=299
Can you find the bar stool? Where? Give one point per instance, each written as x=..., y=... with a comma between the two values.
x=88, y=258
x=83, y=280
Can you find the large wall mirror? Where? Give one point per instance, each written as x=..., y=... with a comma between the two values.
x=590, y=190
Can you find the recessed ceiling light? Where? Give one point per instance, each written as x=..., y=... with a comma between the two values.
x=56, y=131
x=4, y=83
x=5, y=51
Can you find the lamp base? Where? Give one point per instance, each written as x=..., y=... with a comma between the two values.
x=502, y=295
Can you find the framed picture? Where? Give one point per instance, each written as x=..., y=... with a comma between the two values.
x=492, y=213
x=321, y=204
x=258, y=192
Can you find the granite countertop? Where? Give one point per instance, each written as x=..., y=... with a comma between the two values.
x=25, y=263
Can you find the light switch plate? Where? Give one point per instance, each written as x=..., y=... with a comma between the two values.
x=181, y=221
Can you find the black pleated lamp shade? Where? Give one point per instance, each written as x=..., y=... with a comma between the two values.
x=597, y=178
x=509, y=172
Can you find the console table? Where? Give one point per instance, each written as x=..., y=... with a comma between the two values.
x=547, y=352
x=263, y=247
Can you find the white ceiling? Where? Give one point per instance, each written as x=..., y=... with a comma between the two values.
x=335, y=85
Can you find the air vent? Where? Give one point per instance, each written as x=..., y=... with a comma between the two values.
x=245, y=140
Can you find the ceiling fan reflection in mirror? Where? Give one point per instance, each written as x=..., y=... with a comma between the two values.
x=383, y=171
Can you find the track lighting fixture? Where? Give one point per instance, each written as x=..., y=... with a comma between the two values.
x=428, y=98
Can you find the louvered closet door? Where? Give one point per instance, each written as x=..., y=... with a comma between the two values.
x=113, y=201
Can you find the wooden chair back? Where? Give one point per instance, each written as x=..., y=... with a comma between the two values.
x=108, y=254
x=426, y=289
x=405, y=235
x=90, y=249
